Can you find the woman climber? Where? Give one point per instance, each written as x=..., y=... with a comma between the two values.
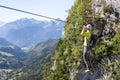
x=86, y=33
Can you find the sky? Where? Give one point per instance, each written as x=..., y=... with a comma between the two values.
x=52, y=8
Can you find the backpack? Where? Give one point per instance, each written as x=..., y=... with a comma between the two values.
x=93, y=41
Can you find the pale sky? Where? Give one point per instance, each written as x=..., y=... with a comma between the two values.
x=51, y=8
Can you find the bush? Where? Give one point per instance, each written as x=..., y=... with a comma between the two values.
x=106, y=9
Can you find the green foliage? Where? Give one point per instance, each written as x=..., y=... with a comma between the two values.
x=69, y=50
x=106, y=8
x=100, y=20
x=116, y=72
x=106, y=50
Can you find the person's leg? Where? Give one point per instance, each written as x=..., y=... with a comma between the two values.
x=84, y=56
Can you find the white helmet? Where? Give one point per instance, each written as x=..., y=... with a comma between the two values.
x=89, y=26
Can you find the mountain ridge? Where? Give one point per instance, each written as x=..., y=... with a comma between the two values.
x=2, y=23
x=25, y=32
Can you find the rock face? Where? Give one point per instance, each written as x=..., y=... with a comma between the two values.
x=97, y=72
x=99, y=4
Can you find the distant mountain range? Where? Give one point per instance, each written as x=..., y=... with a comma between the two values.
x=26, y=32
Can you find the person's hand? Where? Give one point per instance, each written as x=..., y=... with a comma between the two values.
x=84, y=27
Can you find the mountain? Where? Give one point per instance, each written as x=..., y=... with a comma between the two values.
x=27, y=32
x=43, y=48
x=2, y=23
x=38, y=56
x=4, y=42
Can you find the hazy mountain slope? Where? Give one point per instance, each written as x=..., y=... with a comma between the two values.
x=3, y=42
x=27, y=32
x=2, y=23
x=43, y=47
x=10, y=55
x=38, y=55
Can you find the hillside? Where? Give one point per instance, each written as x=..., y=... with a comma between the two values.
x=103, y=60
x=28, y=32
x=38, y=56
x=11, y=57
x=43, y=48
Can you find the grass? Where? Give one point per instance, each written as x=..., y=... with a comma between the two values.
x=6, y=54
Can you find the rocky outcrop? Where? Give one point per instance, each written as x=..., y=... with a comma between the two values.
x=98, y=71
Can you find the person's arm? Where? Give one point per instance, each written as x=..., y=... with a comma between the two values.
x=83, y=31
